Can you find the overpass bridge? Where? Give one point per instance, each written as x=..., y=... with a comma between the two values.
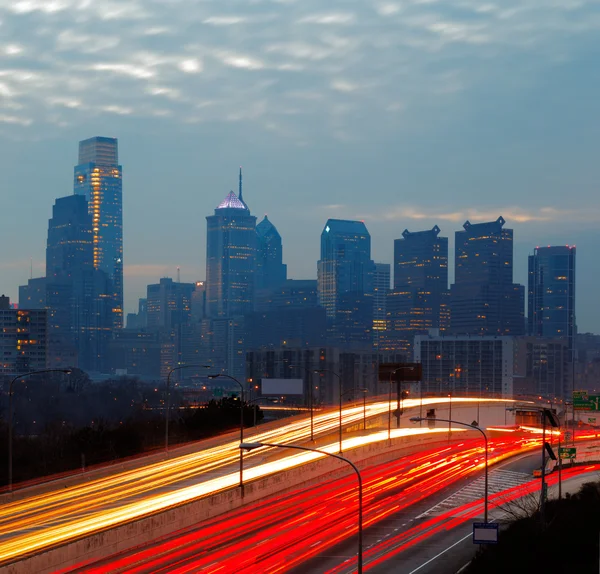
x=58, y=525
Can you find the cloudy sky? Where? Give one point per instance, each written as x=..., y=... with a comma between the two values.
x=404, y=113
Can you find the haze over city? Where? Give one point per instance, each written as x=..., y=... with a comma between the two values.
x=405, y=115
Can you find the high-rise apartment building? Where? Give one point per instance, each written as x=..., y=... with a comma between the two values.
x=551, y=293
x=484, y=300
x=98, y=177
x=345, y=276
x=23, y=345
x=271, y=272
x=230, y=258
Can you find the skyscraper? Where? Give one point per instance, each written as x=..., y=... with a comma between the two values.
x=551, y=293
x=421, y=269
x=230, y=258
x=271, y=272
x=169, y=304
x=98, y=177
x=484, y=300
x=381, y=288
x=345, y=276
x=70, y=242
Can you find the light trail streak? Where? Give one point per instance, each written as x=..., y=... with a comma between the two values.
x=41, y=521
x=291, y=528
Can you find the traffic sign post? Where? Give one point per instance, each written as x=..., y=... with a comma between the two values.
x=567, y=452
x=485, y=533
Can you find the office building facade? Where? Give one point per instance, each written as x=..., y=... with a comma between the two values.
x=551, y=293
x=23, y=341
x=98, y=178
x=271, y=272
x=345, y=275
x=483, y=299
x=466, y=365
x=230, y=259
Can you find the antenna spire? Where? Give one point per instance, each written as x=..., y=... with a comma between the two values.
x=240, y=193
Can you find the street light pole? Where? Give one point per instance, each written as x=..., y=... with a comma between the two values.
x=320, y=371
x=254, y=445
x=168, y=413
x=10, y=415
x=241, y=420
x=485, y=438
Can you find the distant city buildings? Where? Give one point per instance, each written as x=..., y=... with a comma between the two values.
x=247, y=319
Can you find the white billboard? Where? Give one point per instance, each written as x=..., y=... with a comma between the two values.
x=282, y=387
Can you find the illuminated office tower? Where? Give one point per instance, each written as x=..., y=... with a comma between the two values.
x=345, y=275
x=230, y=258
x=551, y=293
x=484, y=300
x=98, y=177
x=421, y=269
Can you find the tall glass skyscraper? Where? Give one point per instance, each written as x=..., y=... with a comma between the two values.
x=98, y=177
x=551, y=293
x=271, y=272
x=421, y=269
x=230, y=258
x=345, y=275
x=484, y=300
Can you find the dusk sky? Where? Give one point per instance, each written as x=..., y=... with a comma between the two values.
x=404, y=114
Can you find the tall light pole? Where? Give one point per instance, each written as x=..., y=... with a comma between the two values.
x=321, y=371
x=392, y=373
x=168, y=413
x=485, y=438
x=241, y=420
x=254, y=445
x=10, y=415
x=310, y=395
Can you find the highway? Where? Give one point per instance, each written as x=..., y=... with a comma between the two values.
x=436, y=535
x=285, y=531
x=42, y=520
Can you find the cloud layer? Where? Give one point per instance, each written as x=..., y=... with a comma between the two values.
x=287, y=65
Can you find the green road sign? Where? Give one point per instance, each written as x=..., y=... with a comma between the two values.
x=567, y=452
x=592, y=420
x=584, y=402
x=217, y=393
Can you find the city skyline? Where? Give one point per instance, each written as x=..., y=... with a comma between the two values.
x=231, y=201
x=405, y=115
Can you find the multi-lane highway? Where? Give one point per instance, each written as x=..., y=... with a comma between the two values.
x=53, y=517
x=286, y=531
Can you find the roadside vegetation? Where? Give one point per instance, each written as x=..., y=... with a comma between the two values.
x=63, y=426
x=567, y=542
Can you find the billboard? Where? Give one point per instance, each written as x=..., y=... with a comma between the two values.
x=400, y=372
x=282, y=387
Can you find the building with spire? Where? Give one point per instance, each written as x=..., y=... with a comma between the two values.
x=230, y=257
x=98, y=177
x=271, y=272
